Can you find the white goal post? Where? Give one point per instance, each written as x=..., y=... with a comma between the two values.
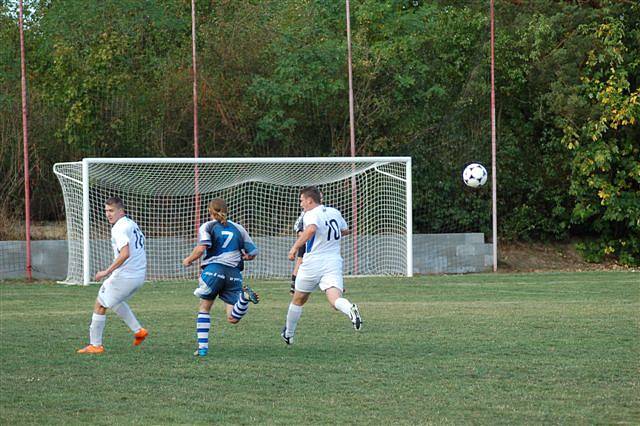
x=168, y=198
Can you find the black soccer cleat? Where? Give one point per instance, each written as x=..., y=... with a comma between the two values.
x=283, y=334
x=354, y=316
x=250, y=295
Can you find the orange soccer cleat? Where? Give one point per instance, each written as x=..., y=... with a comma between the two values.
x=91, y=349
x=140, y=336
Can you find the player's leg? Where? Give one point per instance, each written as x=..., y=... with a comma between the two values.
x=126, y=314
x=99, y=319
x=128, y=287
x=211, y=281
x=96, y=328
x=238, y=310
x=306, y=283
x=237, y=296
x=203, y=326
x=332, y=284
x=293, y=315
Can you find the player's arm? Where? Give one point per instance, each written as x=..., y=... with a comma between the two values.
x=204, y=242
x=249, y=255
x=344, y=228
x=122, y=257
x=304, y=236
x=249, y=250
x=197, y=252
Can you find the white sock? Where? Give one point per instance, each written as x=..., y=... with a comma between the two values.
x=293, y=315
x=124, y=311
x=96, y=328
x=343, y=305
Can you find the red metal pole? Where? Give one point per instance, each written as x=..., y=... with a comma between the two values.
x=494, y=208
x=25, y=147
x=352, y=133
x=195, y=113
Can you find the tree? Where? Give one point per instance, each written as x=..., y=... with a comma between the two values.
x=604, y=135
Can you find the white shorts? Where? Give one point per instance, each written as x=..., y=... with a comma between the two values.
x=312, y=275
x=117, y=290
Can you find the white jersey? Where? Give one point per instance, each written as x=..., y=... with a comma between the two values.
x=126, y=231
x=325, y=243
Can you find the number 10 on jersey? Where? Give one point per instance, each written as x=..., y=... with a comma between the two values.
x=332, y=229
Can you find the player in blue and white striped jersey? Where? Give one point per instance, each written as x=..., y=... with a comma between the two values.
x=225, y=246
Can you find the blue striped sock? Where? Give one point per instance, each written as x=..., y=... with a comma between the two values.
x=240, y=308
x=203, y=324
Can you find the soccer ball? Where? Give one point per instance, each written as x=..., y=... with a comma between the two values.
x=474, y=175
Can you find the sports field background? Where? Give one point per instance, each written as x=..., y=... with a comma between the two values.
x=488, y=348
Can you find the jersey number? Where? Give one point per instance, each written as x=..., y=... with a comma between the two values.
x=229, y=236
x=139, y=238
x=333, y=230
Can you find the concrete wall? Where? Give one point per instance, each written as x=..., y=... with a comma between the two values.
x=48, y=259
x=432, y=254
x=451, y=253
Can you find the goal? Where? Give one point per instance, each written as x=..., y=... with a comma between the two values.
x=168, y=199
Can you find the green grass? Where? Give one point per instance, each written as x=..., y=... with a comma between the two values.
x=530, y=348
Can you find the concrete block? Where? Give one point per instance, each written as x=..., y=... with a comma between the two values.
x=482, y=249
x=439, y=239
x=474, y=238
x=465, y=250
x=432, y=253
x=49, y=259
x=464, y=270
x=437, y=264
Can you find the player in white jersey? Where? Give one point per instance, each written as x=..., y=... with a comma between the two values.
x=323, y=227
x=125, y=276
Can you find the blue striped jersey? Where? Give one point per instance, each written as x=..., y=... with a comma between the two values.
x=224, y=243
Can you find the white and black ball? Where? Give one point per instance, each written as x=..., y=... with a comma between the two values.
x=474, y=175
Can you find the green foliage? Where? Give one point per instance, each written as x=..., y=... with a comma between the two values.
x=113, y=78
x=605, y=140
x=105, y=59
x=304, y=91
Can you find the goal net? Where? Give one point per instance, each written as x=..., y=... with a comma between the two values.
x=168, y=199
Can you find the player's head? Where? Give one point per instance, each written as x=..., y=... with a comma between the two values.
x=310, y=197
x=114, y=209
x=218, y=210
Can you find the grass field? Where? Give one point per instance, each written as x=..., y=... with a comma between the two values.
x=523, y=348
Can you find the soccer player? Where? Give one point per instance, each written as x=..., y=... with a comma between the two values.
x=322, y=263
x=225, y=245
x=298, y=228
x=125, y=276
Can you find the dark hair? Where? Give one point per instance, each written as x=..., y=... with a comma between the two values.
x=313, y=193
x=218, y=210
x=115, y=201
